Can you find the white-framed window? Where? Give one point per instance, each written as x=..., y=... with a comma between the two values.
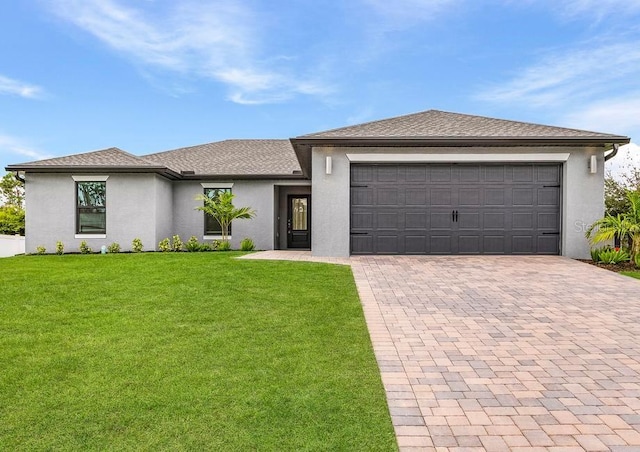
x=212, y=227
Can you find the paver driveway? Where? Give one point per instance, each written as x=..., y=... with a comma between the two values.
x=503, y=353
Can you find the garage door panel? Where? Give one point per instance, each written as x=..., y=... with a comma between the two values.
x=547, y=244
x=523, y=197
x=387, y=196
x=549, y=196
x=387, y=244
x=361, y=244
x=522, y=220
x=440, y=220
x=548, y=174
x=416, y=197
x=455, y=208
x=362, y=220
x=387, y=220
x=548, y=221
x=468, y=220
x=441, y=197
x=362, y=196
x=415, y=244
x=494, y=197
x=494, y=244
x=469, y=196
x=523, y=244
x=469, y=244
x=415, y=220
x=440, y=244
x=416, y=174
x=522, y=174
x=387, y=174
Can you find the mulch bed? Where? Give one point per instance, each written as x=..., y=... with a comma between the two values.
x=622, y=267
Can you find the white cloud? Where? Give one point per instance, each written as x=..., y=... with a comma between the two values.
x=409, y=11
x=216, y=39
x=17, y=88
x=572, y=74
x=613, y=115
x=599, y=9
x=12, y=146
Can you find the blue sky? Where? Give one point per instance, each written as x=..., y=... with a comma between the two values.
x=153, y=75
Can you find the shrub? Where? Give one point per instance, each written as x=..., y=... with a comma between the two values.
x=637, y=260
x=11, y=220
x=41, y=249
x=224, y=245
x=177, y=244
x=614, y=256
x=84, y=248
x=192, y=244
x=136, y=245
x=114, y=248
x=247, y=244
x=595, y=252
x=164, y=245
x=59, y=248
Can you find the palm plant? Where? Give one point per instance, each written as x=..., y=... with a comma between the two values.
x=625, y=225
x=222, y=209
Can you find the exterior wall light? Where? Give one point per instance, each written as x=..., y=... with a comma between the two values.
x=328, y=165
x=593, y=165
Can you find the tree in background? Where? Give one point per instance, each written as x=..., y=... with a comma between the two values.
x=615, y=190
x=12, y=209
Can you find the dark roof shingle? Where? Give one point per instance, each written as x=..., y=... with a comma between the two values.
x=440, y=124
x=111, y=157
x=232, y=157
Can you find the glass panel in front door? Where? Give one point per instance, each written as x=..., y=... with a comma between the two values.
x=299, y=214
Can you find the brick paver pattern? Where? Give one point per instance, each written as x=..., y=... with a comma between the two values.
x=504, y=352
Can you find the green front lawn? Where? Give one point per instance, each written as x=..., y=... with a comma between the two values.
x=633, y=274
x=182, y=351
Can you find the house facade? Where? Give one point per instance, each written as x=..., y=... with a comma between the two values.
x=427, y=183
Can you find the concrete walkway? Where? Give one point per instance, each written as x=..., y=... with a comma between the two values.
x=504, y=353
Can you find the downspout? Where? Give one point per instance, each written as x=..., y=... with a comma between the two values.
x=613, y=153
x=17, y=176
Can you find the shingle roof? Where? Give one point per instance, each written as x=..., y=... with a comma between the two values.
x=440, y=124
x=111, y=157
x=232, y=157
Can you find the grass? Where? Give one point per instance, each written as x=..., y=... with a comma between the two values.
x=185, y=351
x=633, y=274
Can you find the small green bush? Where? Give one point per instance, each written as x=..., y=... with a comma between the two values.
x=176, y=244
x=247, y=244
x=84, y=248
x=164, y=245
x=59, y=248
x=114, y=248
x=192, y=244
x=136, y=245
x=41, y=249
x=637, y=260
x=614, y=256
x=224, y=245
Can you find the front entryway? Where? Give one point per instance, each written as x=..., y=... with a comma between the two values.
x=298, y=221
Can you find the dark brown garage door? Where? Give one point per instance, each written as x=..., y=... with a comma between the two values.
x=455, y=208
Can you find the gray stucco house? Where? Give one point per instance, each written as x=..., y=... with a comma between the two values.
x=427, y=183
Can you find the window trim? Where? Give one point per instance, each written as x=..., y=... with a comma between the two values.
x=78, y=179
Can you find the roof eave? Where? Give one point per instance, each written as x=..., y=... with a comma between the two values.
x=243, y=176
x=457, y=141
x=94, y=169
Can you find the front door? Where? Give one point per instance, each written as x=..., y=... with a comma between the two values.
x=298, y=221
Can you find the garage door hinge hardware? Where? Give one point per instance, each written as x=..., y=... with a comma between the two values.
x=551, y=186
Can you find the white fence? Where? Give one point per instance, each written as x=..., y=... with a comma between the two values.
x=10, y=245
